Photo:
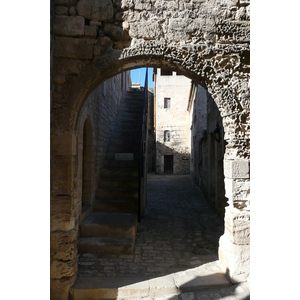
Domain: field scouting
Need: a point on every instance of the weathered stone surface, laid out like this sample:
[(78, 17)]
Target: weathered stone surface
[(99, 10), (69, 26), (72, 11), (237, 168), (60, 288), (65, 144), (238, 192), (106, 42), (65, 2), (237, 226), (69, 66), (90, 31), (150, 30), (116, 33), (209, 41), (73, 48), (64, 168), (61, 10), (64, 245), (234, 259), (60, 269)]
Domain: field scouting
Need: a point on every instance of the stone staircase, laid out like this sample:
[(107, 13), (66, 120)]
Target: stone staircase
[(111, 228)]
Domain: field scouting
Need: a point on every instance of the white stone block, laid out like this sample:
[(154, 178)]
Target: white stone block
[(236, 190), (234, 259), (236, 169), (237, 226)]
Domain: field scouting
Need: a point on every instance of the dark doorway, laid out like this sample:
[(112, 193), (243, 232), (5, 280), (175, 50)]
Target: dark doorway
[(168, 164)]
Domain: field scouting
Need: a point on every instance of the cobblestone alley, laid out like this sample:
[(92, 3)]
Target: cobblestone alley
[(179, 231)]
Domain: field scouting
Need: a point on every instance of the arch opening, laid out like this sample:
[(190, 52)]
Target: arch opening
[(194, 108)]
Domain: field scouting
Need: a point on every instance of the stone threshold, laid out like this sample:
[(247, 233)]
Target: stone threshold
[(206, 276)]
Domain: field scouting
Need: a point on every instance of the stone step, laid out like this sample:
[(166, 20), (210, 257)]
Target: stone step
[(129, 118), (119, 173), (105, 246), (128, 110), (105, 288), (106, 224), (86, 210), (123, 133), (115, 205), (117, 183), (122, 139), (117, 193), (128, 124), (131, 107), (132, 97), (123, 148)]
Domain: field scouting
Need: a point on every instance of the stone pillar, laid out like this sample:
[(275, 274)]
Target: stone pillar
[(63, 211), (234, 245)]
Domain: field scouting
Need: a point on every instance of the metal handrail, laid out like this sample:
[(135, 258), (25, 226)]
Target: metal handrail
[(143, 141)]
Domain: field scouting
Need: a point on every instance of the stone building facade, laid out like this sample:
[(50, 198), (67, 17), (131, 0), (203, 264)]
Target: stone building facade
[(92, 41), (172, 122), (151, 165), (207, 146)]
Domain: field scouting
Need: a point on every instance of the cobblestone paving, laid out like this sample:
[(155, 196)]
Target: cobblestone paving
[(179, 231)]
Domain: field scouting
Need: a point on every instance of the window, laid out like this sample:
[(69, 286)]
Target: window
[(167, 102), (167, 136)]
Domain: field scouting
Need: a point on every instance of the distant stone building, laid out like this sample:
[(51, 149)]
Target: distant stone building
[(189, 134), (172, 122)]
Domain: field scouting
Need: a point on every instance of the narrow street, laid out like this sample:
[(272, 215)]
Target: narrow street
[(179, 232)]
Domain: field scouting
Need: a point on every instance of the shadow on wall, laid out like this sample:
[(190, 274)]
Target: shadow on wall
[(208, 148), (170, 161)]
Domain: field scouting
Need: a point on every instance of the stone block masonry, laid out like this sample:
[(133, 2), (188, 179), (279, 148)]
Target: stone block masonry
[(174, 118), (100, 109), (93, 41)]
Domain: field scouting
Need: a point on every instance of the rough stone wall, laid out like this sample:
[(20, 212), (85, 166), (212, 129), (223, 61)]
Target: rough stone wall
[(208, 41), (198, 125), (207, 154), (174, 119), (101, 108), (102, 105), (215, 177)]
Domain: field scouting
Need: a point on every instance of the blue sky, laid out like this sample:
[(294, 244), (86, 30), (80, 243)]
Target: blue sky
[(138, 75)]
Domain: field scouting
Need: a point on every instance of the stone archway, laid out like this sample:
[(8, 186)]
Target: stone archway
[(207, 41)]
